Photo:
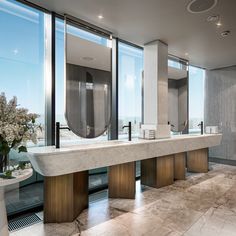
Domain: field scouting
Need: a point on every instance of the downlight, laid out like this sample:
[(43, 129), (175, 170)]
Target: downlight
[(200, 6), (87, 58), (213, 18), (225, 33)]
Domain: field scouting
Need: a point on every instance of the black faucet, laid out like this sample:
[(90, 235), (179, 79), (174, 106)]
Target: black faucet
[(58, 133), (201, 125), (128, 126)]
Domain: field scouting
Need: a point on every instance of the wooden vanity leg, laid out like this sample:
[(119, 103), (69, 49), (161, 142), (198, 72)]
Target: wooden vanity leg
[(197, 161), (65, 197), (121, 180), (158, 172), (179, 166)]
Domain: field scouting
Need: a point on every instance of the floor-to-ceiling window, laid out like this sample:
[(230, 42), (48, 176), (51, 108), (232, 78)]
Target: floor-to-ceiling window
[(196, 98), (22, 67), (130, 68)]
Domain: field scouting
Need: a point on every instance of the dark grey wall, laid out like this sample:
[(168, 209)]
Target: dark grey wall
[(173, 104), (220, 109)]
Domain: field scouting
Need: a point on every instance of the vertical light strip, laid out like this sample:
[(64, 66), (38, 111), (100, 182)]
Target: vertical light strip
[(204, 94), (48, 75), (65, 61), (113, 132)]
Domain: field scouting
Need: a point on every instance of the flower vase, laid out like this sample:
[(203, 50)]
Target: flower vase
[(4, 163)]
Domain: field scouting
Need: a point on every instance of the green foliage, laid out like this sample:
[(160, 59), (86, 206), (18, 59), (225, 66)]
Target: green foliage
[(22, 149), (21, 166), (8, 173), (17, 126)]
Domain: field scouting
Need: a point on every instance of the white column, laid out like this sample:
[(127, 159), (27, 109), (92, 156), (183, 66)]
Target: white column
[(3, 215), (156, 87), (156, 83)]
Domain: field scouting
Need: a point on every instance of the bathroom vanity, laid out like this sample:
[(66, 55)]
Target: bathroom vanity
[(162, 161)]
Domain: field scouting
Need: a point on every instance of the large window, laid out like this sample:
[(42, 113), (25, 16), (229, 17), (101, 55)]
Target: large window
[(22, 66), (196, 98), (130, 66)]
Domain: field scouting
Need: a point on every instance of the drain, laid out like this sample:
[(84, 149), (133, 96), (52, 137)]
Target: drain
[(23, 222)]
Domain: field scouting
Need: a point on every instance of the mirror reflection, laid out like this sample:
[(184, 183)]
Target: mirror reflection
[(88, 83), (178, 99)]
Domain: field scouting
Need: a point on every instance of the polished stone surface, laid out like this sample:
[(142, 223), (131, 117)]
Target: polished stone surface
[(204, 204), (49, 161)]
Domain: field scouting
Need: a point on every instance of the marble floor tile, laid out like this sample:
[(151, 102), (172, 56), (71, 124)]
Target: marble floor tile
[(132, 224), (219, 221), (172, 212), (201, 205)]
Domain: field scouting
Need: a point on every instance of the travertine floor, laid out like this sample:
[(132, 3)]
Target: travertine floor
[(204, 204)]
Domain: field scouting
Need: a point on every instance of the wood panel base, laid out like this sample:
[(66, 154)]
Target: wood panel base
[(158, 172), (65, 197), (121, 180), (197, 161), (179, 166)]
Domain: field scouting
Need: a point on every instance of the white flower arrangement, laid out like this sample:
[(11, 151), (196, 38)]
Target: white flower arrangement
[(17, 126)]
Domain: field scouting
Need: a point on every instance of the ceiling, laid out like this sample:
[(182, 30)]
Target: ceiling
[(141, 21), (86, 53), (175, 73)]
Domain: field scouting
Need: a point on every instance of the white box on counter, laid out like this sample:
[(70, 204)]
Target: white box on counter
[(212, 130), (151, 131)]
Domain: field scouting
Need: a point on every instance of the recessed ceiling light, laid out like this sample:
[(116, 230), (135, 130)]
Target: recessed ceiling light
[(225, 33), (88, 58), (219, 24), (213, 18), (100, 17), (186, 54)]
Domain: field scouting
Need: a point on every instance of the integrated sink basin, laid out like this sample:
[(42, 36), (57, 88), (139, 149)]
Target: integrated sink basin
[(49, 161), (96, 144)]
